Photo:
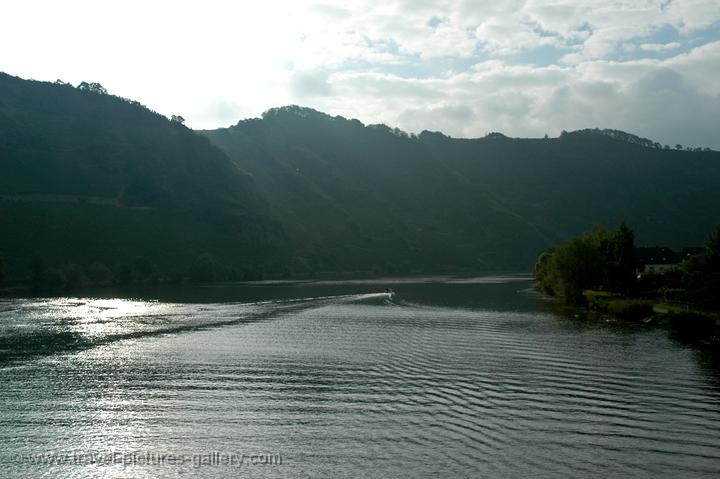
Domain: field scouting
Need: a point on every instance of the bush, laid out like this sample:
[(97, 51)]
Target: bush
[(630, 309), (74, 275), (100, 275), (124, 274), (52, 279), (597, 300), (598, 260), (204, 270)]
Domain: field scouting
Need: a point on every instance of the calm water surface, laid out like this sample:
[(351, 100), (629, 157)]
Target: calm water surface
[(448, 378)]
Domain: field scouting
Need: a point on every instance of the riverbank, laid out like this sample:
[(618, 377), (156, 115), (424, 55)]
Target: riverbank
[(680, 319), (28, 289), (599, 270)]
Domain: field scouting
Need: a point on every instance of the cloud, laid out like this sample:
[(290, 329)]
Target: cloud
[(448, 118), (662, 100), (524, 67), (699, 67), (333, 12), (504, 36), (591, 86), (659, 47), (310, 84), (220, 110)]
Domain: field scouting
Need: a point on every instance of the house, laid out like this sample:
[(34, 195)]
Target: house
[(687, 253), (656, 259)]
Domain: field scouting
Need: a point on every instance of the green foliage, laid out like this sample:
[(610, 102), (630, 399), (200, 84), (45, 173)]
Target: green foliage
[(204, 270), (630, 309), (74, 276), (627, 309), (702, 274), (145, 271), (712, 249), (99, 274), (143, 268), (577, 267), (356, 197), (603, 261), (696, 281), (621, 136), (622, 256), (37, 267), (86, 176), (597, 300), (124, 274), (545, 272), (598, 260), (92, 87), (668, 279), (51, 279), (2, 271)]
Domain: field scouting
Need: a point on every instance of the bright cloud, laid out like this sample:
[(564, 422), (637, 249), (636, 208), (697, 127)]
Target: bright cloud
[(523, 67)]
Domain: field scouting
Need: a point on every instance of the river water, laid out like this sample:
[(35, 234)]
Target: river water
[(472, 377)]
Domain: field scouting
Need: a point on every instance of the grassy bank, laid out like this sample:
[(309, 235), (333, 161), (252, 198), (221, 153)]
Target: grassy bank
[(681, 320), (598, 270)]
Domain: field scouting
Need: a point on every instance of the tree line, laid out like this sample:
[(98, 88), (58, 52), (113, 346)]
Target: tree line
[(597, 260), (141, 271), (603, 261)]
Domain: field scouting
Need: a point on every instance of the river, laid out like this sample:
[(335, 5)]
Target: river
[(473, 377)]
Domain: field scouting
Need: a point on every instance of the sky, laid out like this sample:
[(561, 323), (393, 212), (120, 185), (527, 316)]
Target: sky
[(521, 67)]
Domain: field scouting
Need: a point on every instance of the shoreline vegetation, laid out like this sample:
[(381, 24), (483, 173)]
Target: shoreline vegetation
[(73, 277), (91, 182), (598, 270), (77, 279)]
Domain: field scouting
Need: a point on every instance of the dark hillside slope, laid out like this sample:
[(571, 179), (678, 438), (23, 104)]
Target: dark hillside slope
[(86, 176), (354, 195), (89, 177)]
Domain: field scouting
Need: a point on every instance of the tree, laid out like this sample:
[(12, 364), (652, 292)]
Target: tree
[(52, 279), (577, 265), (204, 270), (623, 262), (599, 259), (100, 275), (177, 119), (74, 275), (37, 266), (712, 248), (545, 273), (143, 268), (124, 274), (703, 274), (93, 87)]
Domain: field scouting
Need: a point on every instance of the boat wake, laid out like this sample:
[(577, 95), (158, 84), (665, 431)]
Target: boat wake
[(40, 327)]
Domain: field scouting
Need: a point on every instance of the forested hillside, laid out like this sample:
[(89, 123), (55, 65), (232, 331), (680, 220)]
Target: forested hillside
[(87, 177), (90, 177), (355, 195)]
